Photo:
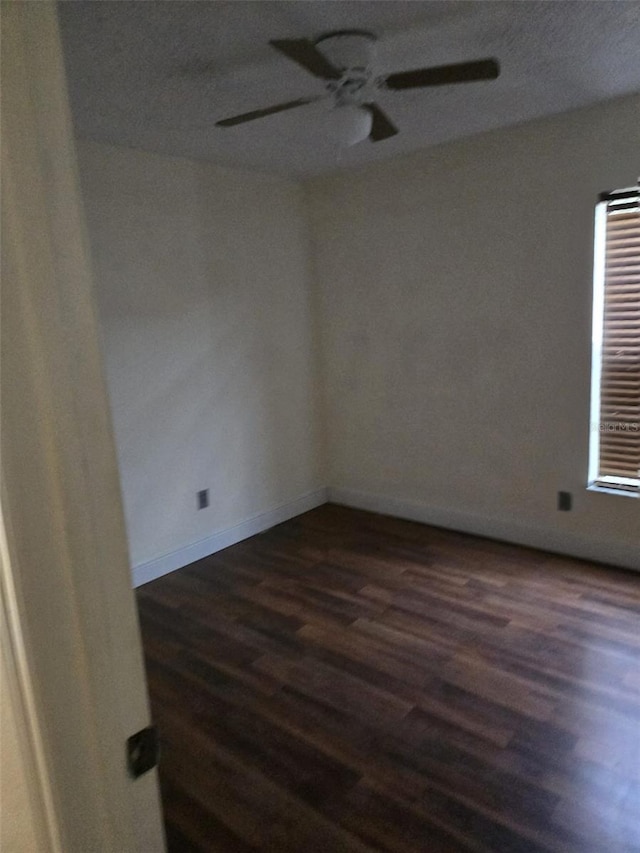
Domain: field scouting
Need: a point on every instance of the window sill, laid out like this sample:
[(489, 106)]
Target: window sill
[(611, 490)]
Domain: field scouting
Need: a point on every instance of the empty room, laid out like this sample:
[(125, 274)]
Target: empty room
[(361, 487)]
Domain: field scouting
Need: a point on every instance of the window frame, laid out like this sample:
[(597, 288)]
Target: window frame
[(612, 484)]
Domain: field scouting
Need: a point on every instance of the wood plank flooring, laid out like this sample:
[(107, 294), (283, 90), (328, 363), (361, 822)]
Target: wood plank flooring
[(352, 682)]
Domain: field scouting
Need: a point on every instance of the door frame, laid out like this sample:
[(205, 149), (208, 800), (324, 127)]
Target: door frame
[(76, 679)]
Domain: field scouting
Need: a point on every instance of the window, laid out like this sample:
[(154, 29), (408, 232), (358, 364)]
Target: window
[(615, 391)]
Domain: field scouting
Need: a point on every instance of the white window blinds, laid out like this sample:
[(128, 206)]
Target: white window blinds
[(615, 456)]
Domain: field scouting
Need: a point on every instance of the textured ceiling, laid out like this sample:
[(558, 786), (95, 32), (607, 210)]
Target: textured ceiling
[(157, 75)]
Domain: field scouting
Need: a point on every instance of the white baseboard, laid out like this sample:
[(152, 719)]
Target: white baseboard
[(556, 541), (145, 572)]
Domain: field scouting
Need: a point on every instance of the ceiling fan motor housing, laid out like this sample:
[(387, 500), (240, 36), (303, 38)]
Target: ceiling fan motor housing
[(351, 52), (348, 50)]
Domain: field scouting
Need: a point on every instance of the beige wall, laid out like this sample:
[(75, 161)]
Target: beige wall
[(451, 295), (202, 282), (455, 292)]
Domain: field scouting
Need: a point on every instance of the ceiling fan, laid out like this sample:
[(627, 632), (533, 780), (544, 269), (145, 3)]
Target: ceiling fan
[(343, 60)]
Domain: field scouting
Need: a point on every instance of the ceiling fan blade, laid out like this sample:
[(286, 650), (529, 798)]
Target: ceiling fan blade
[(267, 111), (306, 54), (382, 127), (442, 75)]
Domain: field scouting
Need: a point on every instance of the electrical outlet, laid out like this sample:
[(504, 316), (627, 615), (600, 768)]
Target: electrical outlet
[(203, 499), (564, 501)]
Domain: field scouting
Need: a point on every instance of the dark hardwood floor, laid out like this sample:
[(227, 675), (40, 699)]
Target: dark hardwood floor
[(352, 682)]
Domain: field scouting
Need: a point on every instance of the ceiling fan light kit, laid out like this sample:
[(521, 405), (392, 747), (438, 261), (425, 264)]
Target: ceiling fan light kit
[(344, 61), (349, 124)]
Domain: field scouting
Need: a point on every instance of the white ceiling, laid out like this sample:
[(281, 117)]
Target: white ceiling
[(157, 75)]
